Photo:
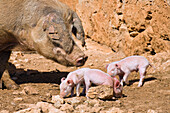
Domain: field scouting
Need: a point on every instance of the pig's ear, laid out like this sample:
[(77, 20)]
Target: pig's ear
[(118, 85), (117, 65), (58, 50), (70, 82), (107, 65), (62, 79)]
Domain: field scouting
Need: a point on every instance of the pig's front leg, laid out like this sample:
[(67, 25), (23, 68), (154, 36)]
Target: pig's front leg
[(84, 89), (72, 91), (125, 78), (78, 89), (121, 79), (87, 84), (142, 72)]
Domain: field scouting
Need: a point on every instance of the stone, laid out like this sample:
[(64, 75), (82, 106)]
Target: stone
[(4, 111), (19, 92), (30, 90), (112, 110), (29, 110), (18, 99), (83, 108), (67, 107), (75, 100), (47, 107), (151, 111), (57, 99), (93, 102), (101, 92), (143, 23), (134, 33)]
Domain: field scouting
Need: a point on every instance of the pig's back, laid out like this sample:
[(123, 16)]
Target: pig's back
[(134, 61), (99, 77)]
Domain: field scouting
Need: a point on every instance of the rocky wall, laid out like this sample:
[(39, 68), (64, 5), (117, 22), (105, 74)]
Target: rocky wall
[(132, 27)]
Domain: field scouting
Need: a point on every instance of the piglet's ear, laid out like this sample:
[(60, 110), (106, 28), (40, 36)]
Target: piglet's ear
[(70, 82), (62, 79), (117, 65), (107, 65)]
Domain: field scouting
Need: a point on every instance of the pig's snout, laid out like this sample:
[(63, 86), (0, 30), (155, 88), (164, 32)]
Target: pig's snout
[(81, 61)]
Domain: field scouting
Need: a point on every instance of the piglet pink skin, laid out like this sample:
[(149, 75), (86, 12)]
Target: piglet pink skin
[(88, 76), (127, 65), (99, 77), (75, 78)]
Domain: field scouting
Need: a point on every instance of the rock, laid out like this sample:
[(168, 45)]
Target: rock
[(134, 33), (47, 107), (75, 100), (143, 23), (160, 61), (4, 111), (93, 102), (67, 107), (30, 90), (83, 108), (151, 111), (101, 92), (58, 102), (18, 99), (57, 98), (112, 110), (19, 92), (30, 110)]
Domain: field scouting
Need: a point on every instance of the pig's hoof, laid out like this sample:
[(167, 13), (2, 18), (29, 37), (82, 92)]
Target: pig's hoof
[(140, 85), (127, 83)]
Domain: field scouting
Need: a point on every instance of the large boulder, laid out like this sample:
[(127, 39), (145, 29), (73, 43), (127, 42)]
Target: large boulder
[(100, 92)]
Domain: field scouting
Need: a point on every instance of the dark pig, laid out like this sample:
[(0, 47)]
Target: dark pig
[(45, 26)]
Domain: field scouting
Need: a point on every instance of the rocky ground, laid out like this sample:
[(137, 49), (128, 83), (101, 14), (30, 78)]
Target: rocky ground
[(39, 81)]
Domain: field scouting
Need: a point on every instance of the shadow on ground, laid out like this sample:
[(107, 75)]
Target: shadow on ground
[(34, 76), (131, 82)]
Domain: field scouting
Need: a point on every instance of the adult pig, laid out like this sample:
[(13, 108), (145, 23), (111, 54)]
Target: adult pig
[(88, 76), (45, 26), (125, 66)]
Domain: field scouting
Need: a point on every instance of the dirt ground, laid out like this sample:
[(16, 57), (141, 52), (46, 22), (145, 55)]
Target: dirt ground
[(44, 75)]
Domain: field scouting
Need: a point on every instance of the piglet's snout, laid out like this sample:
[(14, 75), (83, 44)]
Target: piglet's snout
[(62, 94)]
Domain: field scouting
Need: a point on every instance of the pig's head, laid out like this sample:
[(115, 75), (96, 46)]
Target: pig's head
[(52, 38), (66, 87), (113, 69), (117, 88)]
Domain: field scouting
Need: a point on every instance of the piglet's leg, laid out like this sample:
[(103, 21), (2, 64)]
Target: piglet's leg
[(72, 91), (78, 89), (84, 89), (121, 79), (142, 72), (125, 78), (87, 84)]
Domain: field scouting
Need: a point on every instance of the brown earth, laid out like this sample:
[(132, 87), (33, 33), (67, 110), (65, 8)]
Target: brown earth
[(39, 79), (121, 28)]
